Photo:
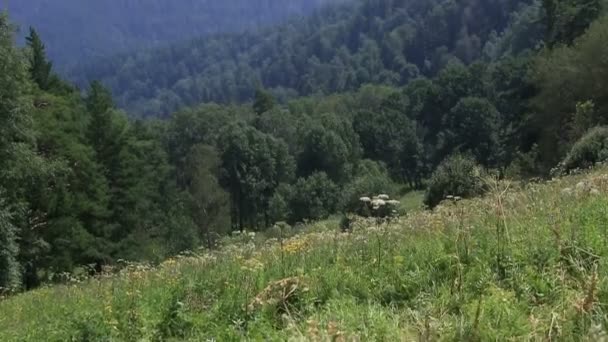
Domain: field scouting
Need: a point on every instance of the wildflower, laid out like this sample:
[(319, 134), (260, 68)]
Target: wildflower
[(377, 203), (399, 260), (295, 246), (384, 197), (581, 186), (252, 265), (365, 199)]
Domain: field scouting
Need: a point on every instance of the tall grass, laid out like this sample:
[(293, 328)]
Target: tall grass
[(527, 262)]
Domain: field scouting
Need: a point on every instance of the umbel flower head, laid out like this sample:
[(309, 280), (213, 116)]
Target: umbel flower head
[(381, 205)]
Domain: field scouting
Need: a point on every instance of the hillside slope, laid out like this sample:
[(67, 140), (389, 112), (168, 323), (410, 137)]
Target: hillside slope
[(524, 263), (78, 30), (336, 49)]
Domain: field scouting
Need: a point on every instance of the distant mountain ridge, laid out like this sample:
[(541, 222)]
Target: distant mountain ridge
[(77, 30)]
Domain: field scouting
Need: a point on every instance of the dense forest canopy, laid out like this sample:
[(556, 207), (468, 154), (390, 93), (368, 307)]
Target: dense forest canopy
[(338, 48), (83, 183), (77, 30)]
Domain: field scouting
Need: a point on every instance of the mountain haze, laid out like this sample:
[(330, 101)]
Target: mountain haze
[(337, 48), (76, 30)]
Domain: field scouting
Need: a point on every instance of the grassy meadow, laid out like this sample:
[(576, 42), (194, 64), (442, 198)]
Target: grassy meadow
[(524, 263)]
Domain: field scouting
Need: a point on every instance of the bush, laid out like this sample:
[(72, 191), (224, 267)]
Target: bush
[(590, 149), (371, 179), (458, 175)]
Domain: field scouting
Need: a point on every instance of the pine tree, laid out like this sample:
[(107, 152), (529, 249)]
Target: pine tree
[(39, 66), (99, 104)]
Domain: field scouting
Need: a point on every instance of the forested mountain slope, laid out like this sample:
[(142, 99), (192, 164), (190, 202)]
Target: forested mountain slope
[(337, 49), (77, 30), (82, 186)]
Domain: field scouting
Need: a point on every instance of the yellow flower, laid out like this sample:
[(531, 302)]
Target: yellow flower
[(295, 246), (398, 259), (252, 265)]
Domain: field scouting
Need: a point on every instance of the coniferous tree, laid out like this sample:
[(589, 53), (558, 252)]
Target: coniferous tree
[(39, 66)]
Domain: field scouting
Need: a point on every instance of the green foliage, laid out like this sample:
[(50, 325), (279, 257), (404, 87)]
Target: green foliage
[(370, 179), (19, 166), (565, 20), (390, 136), (472, 126), (253, 165), (210, 203), (9, 250), (566, 77), (592, 148), (263, 102), (457, 175), (329, 145), (314, 197)]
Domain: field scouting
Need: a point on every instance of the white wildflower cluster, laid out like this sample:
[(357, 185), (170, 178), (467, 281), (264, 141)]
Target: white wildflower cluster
[(453, 198), (581, 188), (381, 205)]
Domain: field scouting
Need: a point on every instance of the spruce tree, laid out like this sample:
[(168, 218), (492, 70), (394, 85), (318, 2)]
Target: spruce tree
[(39, 66)]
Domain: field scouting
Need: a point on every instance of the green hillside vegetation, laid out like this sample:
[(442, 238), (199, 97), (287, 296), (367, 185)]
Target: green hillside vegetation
[(526, 262)]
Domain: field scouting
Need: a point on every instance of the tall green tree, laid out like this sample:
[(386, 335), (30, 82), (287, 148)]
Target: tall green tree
[(210, 203), (22, 170), (253, 166), (472, 126), (390, 136), (39, 66)]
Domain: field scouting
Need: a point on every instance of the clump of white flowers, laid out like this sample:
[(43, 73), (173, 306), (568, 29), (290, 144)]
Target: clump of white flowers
[(381, 206)]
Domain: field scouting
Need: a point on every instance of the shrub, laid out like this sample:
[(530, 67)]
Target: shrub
[(458, 175), (371, 179), (588, 150), (280, 230)]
